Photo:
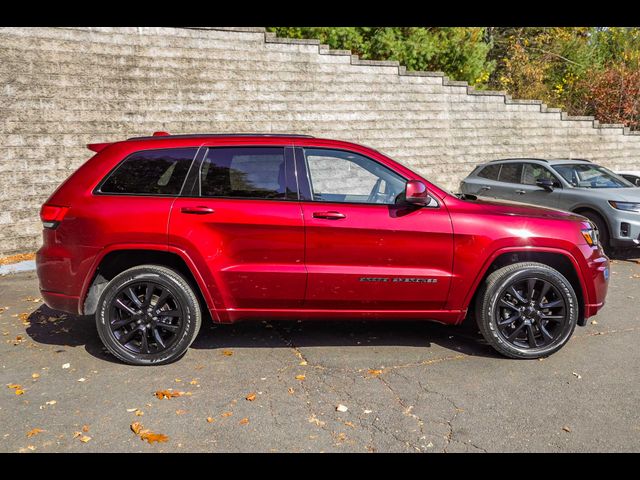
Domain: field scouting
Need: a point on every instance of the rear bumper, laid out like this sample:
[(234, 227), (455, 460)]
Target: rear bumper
[(60, 301), (62, 273)]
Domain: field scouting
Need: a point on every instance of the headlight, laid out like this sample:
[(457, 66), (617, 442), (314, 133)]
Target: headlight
[(626, 206), (591, 235)]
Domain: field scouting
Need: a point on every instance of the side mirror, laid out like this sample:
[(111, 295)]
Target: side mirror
[(416, 193), (545, 183)]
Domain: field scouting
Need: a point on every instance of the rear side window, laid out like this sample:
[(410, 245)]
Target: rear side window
[(151, 172), (250, 172), (490, 172), (511, 172)]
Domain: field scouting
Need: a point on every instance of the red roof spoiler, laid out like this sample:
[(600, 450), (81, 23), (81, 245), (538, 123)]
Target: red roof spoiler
[(97, 147)]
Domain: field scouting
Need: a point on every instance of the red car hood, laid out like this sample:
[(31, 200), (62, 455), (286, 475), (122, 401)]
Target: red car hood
[(504, 207)]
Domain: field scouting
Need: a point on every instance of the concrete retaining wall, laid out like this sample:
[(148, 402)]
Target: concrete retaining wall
[(61, 88)]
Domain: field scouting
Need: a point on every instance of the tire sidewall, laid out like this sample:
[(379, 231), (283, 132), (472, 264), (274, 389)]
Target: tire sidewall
[(186, 335), (494, 294)]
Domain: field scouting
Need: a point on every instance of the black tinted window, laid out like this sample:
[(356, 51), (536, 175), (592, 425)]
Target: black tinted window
[(490, 172), (257, 172), (151, 172), (511, 172)]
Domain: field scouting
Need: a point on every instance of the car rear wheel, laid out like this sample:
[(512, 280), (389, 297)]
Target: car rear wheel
[(527, 310), (148, 315)]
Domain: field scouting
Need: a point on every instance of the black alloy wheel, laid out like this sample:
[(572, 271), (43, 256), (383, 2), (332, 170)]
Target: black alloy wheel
[(145, 317), (148, 315), (531, 313), (527, 310)]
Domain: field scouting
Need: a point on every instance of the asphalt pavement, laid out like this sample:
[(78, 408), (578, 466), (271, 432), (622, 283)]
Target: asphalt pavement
[(321, 386)]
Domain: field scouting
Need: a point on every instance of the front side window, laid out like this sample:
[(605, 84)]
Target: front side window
[(534, 172), (347, 177), (151, 172), (586, 175), (511, 172), (244, 172)]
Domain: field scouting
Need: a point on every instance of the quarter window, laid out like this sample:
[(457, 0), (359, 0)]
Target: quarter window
[(251, 172), (511, 172), (347, 177), (490, 172), (151, 172)]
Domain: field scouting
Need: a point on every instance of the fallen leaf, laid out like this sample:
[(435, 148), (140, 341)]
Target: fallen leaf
[(227, 414), (35, 375), (566, 429), (34, 432), (178, 380), (146, 434), (160, 394), (316, 420), (244, 421), (227, 353), (594, 322), (180, 412), (85, 428), (85, 438), (251, 397), (300, 377), (210, 419), (131, 410), (153, 437), (13, 385), (82, 379), (368, 411), (19, 391), (341, 408), (577, 375), (136, 427), (138, 413), (51, 402), (375, 373), (303, 363), (66, 365), (342, 437), (194, 382), (290, 391)]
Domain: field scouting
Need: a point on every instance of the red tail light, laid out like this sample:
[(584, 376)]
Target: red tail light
[(52, 215)]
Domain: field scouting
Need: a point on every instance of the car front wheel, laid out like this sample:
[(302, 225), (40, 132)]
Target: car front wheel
[(527, 310), (148, 315)]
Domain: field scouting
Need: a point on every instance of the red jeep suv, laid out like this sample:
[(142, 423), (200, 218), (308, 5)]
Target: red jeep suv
[(153, 233)]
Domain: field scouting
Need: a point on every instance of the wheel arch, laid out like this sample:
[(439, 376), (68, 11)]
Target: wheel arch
[(561, 260), (116, 259), (580, 209)]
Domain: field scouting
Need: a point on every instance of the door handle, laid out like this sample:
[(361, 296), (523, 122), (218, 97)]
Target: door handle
[(329, 215), (521, 192), (197, 210), (485, 188)]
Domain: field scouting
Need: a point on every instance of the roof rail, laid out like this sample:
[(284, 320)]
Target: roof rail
[(519, 159), (195, 135)]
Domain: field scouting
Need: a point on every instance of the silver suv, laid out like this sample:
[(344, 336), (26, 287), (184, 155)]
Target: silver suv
[(579, 186)]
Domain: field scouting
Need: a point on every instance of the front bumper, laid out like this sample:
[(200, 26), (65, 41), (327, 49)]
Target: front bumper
[(595, 273), (625, 229)]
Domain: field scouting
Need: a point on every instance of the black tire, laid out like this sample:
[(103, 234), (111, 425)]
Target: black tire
[(603, 230), (158, 333), (499, 312)]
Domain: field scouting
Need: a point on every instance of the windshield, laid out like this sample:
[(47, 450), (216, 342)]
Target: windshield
[(585, 175)]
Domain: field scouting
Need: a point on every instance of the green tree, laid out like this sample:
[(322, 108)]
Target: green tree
[(460, 53)]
